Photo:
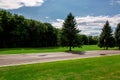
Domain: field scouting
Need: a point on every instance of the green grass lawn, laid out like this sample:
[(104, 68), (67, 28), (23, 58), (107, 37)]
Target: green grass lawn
[(41, 50), (102, 68)]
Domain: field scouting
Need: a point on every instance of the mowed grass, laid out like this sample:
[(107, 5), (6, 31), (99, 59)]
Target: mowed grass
[(43, 50), (102, 68)]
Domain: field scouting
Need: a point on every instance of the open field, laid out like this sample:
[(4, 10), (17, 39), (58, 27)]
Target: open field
[(102, 68), (42, 50)]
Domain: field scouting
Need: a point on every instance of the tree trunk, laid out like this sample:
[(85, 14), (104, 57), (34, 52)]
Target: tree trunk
[(106, 48), (70, 48)]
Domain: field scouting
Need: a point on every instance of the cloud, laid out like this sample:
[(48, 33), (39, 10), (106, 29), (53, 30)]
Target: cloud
[(58, 23), (15, 4), (46, 17), (118, 1), (91, 25), (112, 2)]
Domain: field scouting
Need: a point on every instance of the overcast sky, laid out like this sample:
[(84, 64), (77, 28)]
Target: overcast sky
[(89, 14)]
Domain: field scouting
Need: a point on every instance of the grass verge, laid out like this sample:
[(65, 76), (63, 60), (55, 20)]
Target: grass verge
[(102, 68), (43, 50)]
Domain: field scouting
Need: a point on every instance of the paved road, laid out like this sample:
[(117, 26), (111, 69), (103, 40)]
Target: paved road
[(18, 59)]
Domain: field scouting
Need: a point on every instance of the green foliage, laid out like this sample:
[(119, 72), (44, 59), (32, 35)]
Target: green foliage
[(1, 29), (117, 35), (92, 40), (0, 25), (16, 31), (102, 68), (51, 34), (78, 41), (69, 32), (84, 39), (106, 39), (89, 40)]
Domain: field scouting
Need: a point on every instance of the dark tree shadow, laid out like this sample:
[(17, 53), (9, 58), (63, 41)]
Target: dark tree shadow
[(76, 52)]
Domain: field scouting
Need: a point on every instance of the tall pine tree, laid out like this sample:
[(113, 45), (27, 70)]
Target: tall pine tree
[(70, 32), (106, 39), (117, 35)]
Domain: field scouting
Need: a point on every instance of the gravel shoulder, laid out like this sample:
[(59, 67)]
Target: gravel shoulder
[(19, 59)]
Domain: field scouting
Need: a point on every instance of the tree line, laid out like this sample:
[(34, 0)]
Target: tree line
[(17, 31)]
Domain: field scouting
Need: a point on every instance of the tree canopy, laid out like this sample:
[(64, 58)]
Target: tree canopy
[(117, 35), (69, 32), (106, 37), (17, 31)]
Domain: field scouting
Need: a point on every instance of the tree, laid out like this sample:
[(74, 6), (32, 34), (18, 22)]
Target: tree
[(78, 41), (1, 29), (92, 40), (84, 39), (95, 40), (117, 35), (69, 32), (51, 35), (17, 31), (106, 39), (5, 18)]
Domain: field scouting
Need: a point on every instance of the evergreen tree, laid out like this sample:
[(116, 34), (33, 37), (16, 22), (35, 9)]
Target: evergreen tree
[(69, 32), (117, 35), (106, 39)]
